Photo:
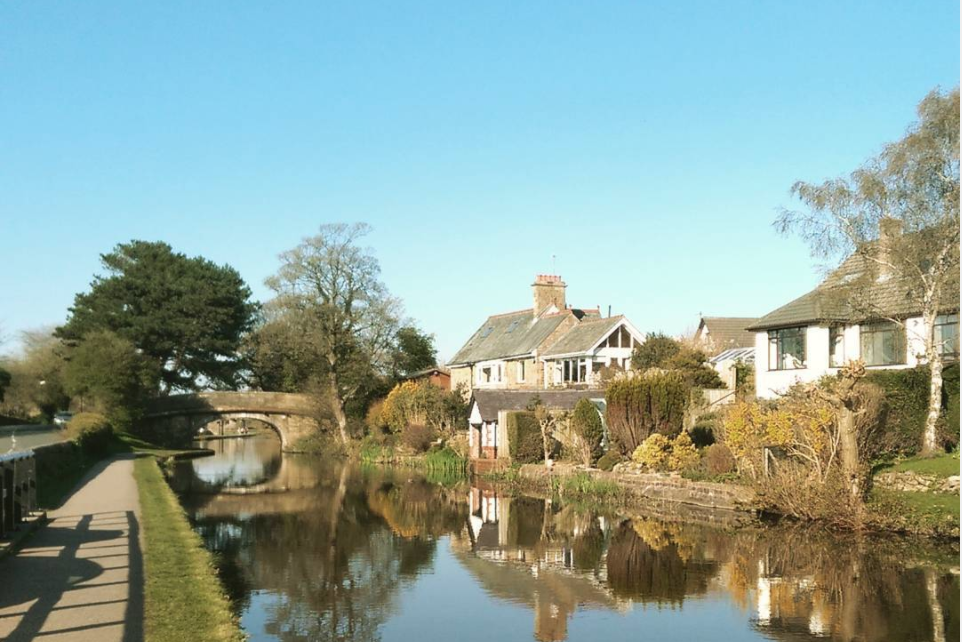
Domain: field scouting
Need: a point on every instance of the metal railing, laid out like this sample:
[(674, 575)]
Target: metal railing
[(18, 489)]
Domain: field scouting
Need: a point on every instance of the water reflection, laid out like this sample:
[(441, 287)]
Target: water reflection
[(236, 462), (369, 554)]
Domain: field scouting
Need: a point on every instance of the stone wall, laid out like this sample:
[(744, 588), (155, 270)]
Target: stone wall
[(908, 481), (659, 487)]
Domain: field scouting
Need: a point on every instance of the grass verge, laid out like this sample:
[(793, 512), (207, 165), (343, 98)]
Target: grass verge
[(183, 598), (930, 514)]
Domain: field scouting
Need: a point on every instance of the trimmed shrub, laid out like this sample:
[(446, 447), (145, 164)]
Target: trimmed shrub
[(586, 425), (653, 453), (683, 453), (907, 394), (91, 431), (703, 432), (718, 460), (609, 460), (524, 437), (418, 437), (907, 397), (640, 406)]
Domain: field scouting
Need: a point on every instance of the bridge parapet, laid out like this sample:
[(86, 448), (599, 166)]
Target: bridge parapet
[(174, 420), (224, 402)]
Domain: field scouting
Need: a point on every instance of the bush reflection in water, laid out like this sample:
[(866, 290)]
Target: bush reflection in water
[(329, 560)]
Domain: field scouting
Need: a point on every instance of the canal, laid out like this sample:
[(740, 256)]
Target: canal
[(316, 550)]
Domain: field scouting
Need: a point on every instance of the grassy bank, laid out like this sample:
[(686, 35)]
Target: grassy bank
[(931, 513), (578, 488), (183, 599)]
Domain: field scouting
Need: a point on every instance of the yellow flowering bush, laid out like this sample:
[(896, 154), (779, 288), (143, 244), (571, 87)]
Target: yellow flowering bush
[(653, 452)]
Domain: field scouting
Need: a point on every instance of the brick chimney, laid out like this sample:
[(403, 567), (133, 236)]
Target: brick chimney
[(889, 231), (548, 290)]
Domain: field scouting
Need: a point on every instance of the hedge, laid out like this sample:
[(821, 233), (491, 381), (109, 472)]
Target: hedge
[(91, 431), (640, 406), (907, 396), (524, 437)]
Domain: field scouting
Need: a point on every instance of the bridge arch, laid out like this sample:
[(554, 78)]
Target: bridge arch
[(174, 420)]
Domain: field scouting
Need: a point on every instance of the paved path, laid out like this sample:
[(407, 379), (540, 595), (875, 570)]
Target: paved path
[(80, 577)]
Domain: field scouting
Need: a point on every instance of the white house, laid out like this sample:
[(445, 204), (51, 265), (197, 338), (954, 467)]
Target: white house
[(820, 331)]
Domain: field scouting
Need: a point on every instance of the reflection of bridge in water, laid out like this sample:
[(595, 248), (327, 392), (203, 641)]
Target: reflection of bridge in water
[(251, 476)]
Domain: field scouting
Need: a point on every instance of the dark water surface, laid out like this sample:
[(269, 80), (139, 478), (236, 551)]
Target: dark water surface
[(315, 550)]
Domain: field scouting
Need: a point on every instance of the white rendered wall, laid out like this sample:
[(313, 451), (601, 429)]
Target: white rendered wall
[(771, 383)]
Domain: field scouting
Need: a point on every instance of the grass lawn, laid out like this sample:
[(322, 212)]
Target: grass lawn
[(941, 466), (183, 598)]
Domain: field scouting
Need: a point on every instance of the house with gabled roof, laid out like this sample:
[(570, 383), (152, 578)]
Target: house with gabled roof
[(718, 334), (548, 345), (822, 330), (551, 351)]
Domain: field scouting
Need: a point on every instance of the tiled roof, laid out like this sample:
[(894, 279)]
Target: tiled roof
[(583, 336), (852, 292), (729, 332), (507, 335), (490, 402)]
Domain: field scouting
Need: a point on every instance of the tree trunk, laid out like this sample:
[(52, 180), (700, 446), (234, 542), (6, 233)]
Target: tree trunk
[(930, 437), (848, 451), (545, 443), (337, 407)]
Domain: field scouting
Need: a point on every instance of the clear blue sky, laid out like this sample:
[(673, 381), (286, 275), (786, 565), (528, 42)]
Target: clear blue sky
[(647, 145)]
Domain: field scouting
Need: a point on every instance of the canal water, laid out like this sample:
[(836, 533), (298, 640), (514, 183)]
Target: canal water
[(315, 550)]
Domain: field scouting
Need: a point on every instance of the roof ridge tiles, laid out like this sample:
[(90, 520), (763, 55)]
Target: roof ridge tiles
[(508, 314)]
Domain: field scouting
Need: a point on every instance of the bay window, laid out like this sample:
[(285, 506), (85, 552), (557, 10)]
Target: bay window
[(786, 349)]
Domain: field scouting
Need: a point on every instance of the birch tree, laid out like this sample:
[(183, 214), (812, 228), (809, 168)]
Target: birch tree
[(897, 219)]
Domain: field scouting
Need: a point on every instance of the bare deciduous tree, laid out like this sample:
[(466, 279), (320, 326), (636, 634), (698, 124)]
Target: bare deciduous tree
[(332, 286)]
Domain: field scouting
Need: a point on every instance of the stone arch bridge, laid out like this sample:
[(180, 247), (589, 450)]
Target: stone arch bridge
[(175, 419)]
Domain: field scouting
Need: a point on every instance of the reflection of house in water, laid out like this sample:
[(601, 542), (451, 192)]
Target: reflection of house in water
[(791, 603), (521, 552), (851, 594)]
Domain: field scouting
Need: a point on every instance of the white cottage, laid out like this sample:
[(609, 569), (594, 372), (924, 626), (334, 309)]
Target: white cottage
[(817, 333)]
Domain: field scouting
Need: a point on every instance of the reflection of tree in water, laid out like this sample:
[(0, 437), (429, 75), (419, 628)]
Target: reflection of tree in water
[(334, 571), (650, 563), (417, 508)]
